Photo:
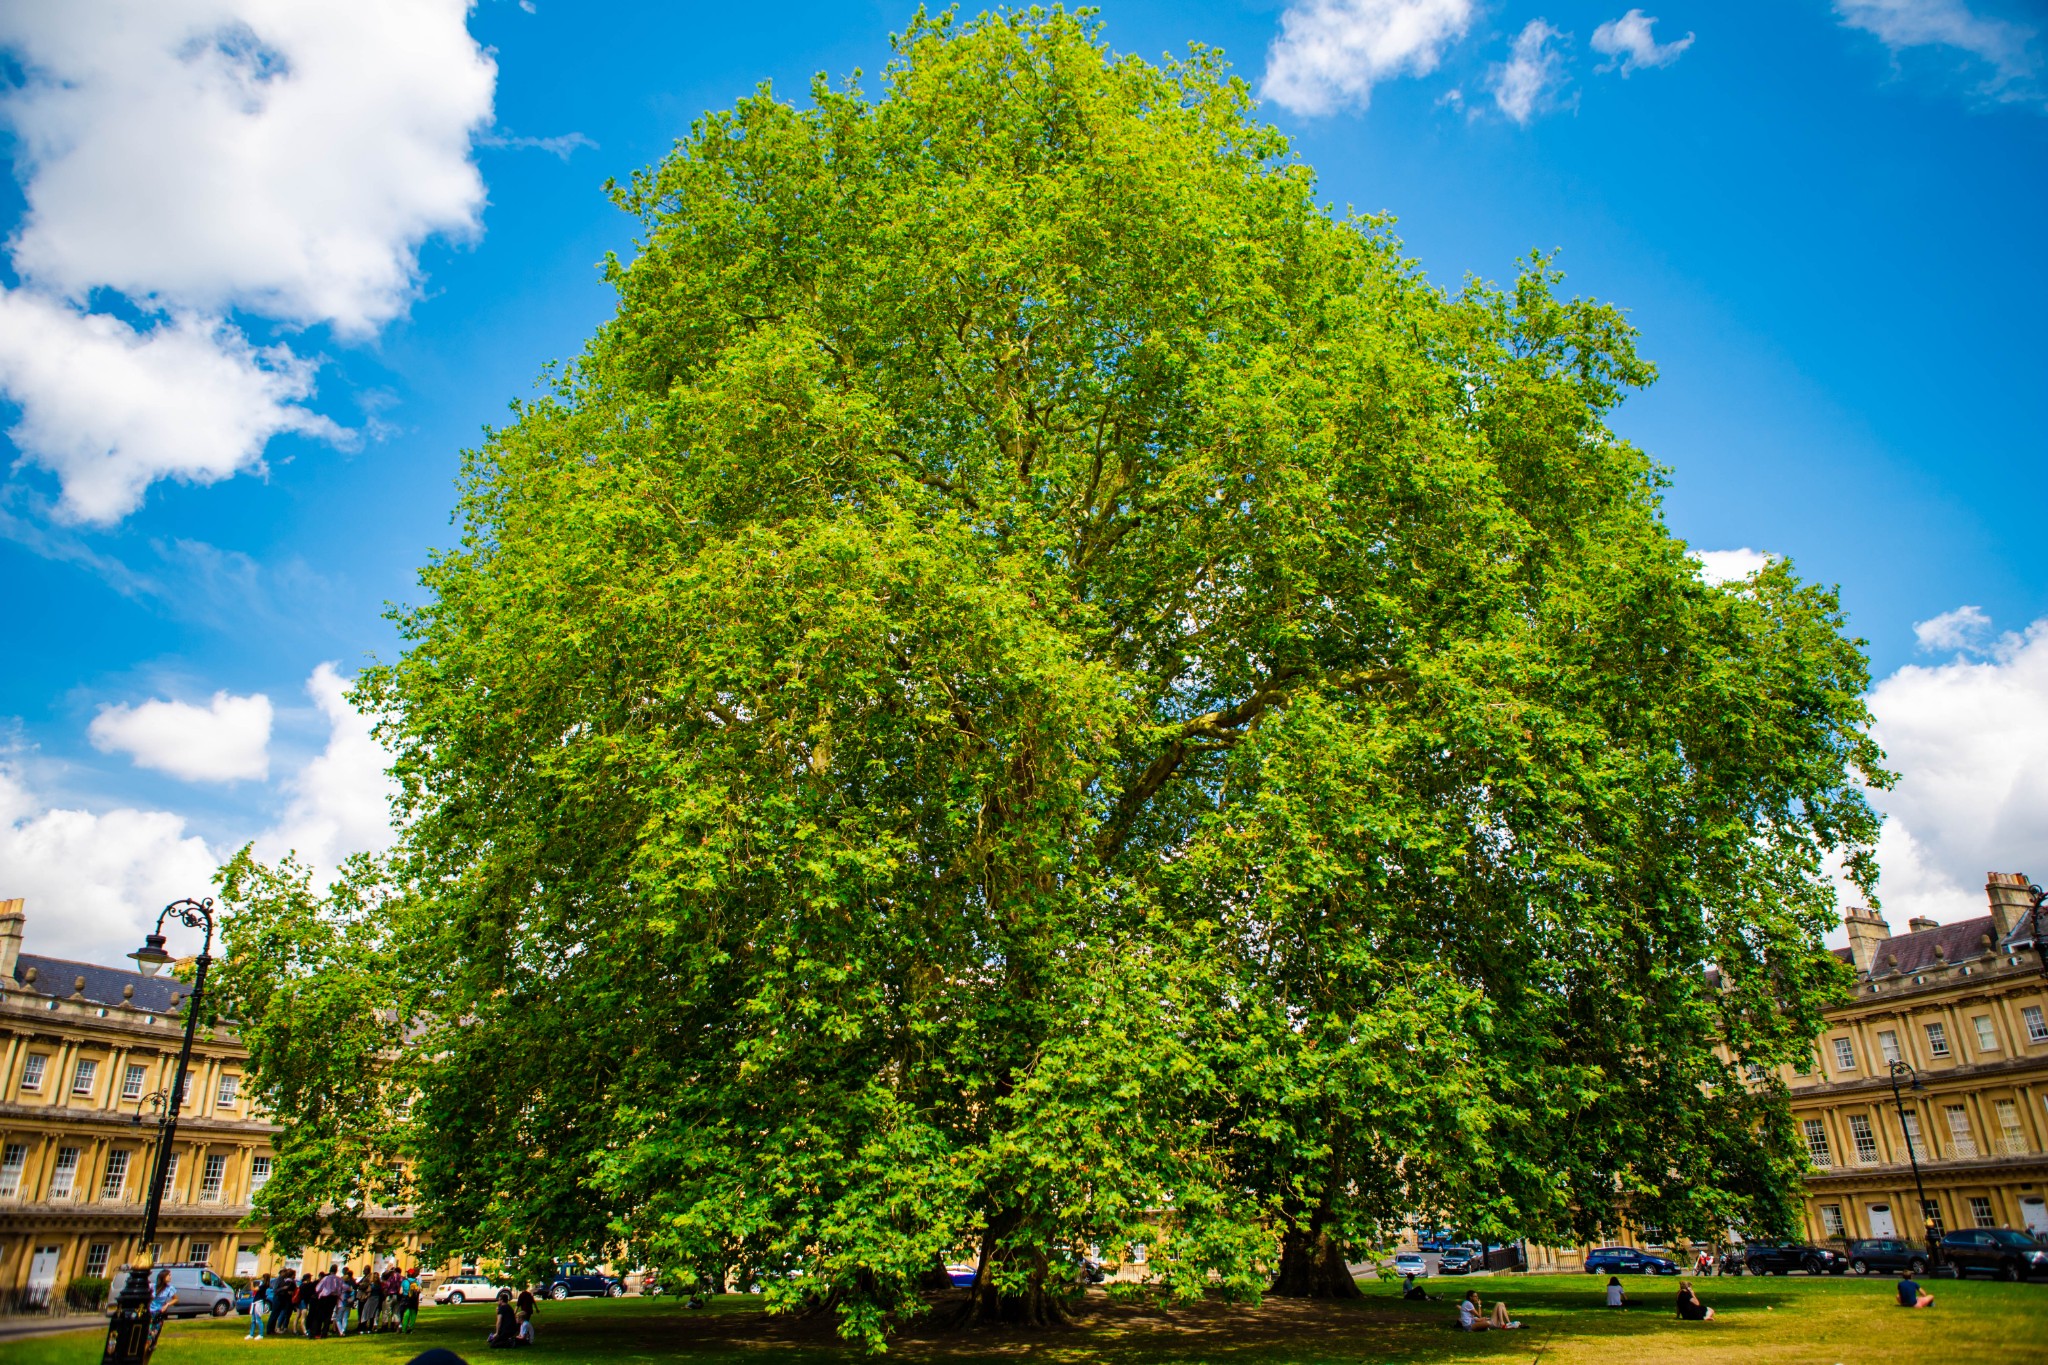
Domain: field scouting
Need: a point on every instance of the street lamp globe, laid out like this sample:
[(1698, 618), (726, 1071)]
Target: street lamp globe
[(151, 957)]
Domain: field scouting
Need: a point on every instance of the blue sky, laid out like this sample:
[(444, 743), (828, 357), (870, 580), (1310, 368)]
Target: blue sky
[(270, 266)]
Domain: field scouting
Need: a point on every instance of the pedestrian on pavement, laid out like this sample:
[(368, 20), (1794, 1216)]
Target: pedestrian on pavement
[(160, 1306)]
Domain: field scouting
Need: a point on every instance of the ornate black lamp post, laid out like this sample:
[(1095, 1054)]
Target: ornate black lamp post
[(1933, 1237), (128, 1339)]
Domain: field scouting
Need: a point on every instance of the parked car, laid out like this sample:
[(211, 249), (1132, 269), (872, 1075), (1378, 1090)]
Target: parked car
[(459, 1289), (1887, 1256), (1434, 1239), (201, 1293), (1782, 1258), (1627, 1261), (2002, 1252), (1456, 1260), (1410, 1263), (577, 1281)]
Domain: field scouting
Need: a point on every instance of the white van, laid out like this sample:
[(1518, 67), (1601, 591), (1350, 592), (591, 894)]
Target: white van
[(200, 1291)]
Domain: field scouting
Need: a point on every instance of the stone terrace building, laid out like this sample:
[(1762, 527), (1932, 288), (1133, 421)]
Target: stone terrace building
[(82, 1048), (1966, 1006)]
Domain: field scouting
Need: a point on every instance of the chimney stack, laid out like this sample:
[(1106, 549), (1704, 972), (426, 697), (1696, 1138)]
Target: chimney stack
[(1921, 923), (13, 920), (2007, 892), (1866, 929)]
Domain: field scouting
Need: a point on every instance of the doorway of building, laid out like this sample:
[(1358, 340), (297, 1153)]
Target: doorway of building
[(2034, 1213), (1881, 1221), (42, 1274)]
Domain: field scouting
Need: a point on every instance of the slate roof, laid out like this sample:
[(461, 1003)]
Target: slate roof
[(1905, 954), (57, 976)]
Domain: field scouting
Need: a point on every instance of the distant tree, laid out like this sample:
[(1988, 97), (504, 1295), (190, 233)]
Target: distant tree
[(1034, 688)]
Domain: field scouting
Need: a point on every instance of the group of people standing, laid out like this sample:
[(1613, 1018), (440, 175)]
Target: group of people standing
[(321, 1306)]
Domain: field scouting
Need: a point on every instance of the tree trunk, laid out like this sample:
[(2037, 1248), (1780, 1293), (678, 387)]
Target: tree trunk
[(1312, 1267), (1042, 1303)]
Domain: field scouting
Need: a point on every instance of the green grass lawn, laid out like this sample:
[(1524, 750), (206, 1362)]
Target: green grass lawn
[(1851, 1321)]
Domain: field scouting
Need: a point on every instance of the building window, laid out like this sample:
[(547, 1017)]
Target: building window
[(230, 1090), (131, 1081), (1831, 1224), (171, 1179), (184, 1087), (1987, 1036), (65, 1178), (1961, 1142), (115, 1182), (1914, 1145), (96, 1257), (2037, 1027), (259, 1173), (1845, 1055), (11, 1163), (1980, 1212), (1888, 1044), (83, 1075), (1817, 1143), (211, 1177), (32, 1070), (1864, 1137), (1931, 1211), (1937, 1040), (202, 1252), (2012, 1139)]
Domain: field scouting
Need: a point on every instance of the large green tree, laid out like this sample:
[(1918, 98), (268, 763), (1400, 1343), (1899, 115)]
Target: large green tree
[(1034, 687)]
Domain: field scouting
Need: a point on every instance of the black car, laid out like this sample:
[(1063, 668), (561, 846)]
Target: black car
[(1782, 1258), (1466, 1258), (1627, 1261), (2001, 1252), (1887, 1256), (581, 1281)]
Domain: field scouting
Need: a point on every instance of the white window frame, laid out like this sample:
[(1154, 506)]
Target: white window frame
[(1831, 1223), (85, 1075), (171, 1178), (1987, 1032), (1888, 1045), (2037, 1024), (133, 1079), (202, 1252), (1916, 1141), (1980, 1212), (1864, 1135), (97, 1254), (259, 1173), (64, 1175), (213, 1177), (2012, 1134), (1937, 1038), (13, 1162), (1845, 1054), (114, 1180), (229, 1092), (32, 1069), (1962, 1139), (1818, 1151)]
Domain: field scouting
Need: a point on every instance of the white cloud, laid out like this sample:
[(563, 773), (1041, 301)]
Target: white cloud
[(1960, 629), (203, 156), (1330, 53), (1630, 43), (111, 409), (1726, 566), (1901, 24), (1524, 84), (227, 739), (1969, 740), (340, 801), (94, 882)]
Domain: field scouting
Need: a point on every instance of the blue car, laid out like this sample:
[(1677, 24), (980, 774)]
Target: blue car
[(1627, 1261)]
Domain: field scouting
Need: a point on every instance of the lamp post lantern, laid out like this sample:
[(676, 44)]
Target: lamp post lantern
[(1933, 1226), (128, 1334)]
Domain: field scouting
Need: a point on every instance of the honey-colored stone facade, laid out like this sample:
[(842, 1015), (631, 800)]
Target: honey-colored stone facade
[(82, 1048)]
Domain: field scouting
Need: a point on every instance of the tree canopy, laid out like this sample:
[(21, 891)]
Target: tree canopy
[(1036, 687)]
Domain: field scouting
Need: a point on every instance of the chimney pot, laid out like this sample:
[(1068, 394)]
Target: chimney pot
[(1921, 923), (2007, 892)]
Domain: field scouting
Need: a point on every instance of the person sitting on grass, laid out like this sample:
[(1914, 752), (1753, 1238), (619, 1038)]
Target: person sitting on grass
[(1912, 1296), (1689, 1306), (506, 1332), (1412, 1291), (1472, 1316), (1617, 1297), (526, 1329)]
